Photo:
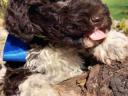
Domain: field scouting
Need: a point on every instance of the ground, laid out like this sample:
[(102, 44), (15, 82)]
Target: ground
[(100, 80)]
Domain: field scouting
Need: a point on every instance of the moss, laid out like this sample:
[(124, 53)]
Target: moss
[(124, 25), (121, 25)]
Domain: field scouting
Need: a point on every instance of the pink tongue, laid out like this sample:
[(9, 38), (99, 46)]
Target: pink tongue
[(97, 35)]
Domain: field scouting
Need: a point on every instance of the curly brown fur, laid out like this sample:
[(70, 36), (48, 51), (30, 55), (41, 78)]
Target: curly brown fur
[(59, 25)]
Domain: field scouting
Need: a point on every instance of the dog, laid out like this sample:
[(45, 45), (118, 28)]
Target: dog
[(69, 31)]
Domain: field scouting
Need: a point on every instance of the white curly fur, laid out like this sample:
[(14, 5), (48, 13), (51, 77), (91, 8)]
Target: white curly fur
[(114, 48), (37, 85), (57, 64)]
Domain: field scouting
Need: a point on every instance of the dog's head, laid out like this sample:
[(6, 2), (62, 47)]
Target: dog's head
[(85, 21), (66, 23)]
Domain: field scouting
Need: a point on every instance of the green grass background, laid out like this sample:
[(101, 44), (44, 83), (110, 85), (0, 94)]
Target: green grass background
[(118, 8)]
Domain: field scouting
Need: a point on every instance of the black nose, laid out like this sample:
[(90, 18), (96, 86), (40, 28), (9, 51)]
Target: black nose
[(96, 19)]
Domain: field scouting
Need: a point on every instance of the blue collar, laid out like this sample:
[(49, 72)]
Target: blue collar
[(14, 50)]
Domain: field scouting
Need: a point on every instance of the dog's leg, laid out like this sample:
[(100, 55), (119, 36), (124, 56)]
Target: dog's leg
[(36, 85), (114, 48)]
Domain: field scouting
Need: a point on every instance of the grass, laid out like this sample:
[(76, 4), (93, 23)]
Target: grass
[(118, 8)]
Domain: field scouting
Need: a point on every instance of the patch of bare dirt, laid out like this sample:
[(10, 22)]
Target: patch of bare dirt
[(100, 80)]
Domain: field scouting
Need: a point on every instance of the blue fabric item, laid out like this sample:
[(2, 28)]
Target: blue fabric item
[(15, 50)]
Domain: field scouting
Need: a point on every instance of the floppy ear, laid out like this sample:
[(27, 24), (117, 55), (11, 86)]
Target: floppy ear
[(17, 20)]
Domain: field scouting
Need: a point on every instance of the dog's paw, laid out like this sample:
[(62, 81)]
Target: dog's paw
[(114, 48)]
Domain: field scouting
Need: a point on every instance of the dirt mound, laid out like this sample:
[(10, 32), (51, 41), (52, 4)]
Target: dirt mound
[(100, 80)]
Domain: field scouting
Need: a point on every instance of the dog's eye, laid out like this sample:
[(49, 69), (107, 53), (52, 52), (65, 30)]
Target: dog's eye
[(96, 19)]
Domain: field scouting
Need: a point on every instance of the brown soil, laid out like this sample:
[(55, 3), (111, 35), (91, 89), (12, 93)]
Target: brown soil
[(100, 80)]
